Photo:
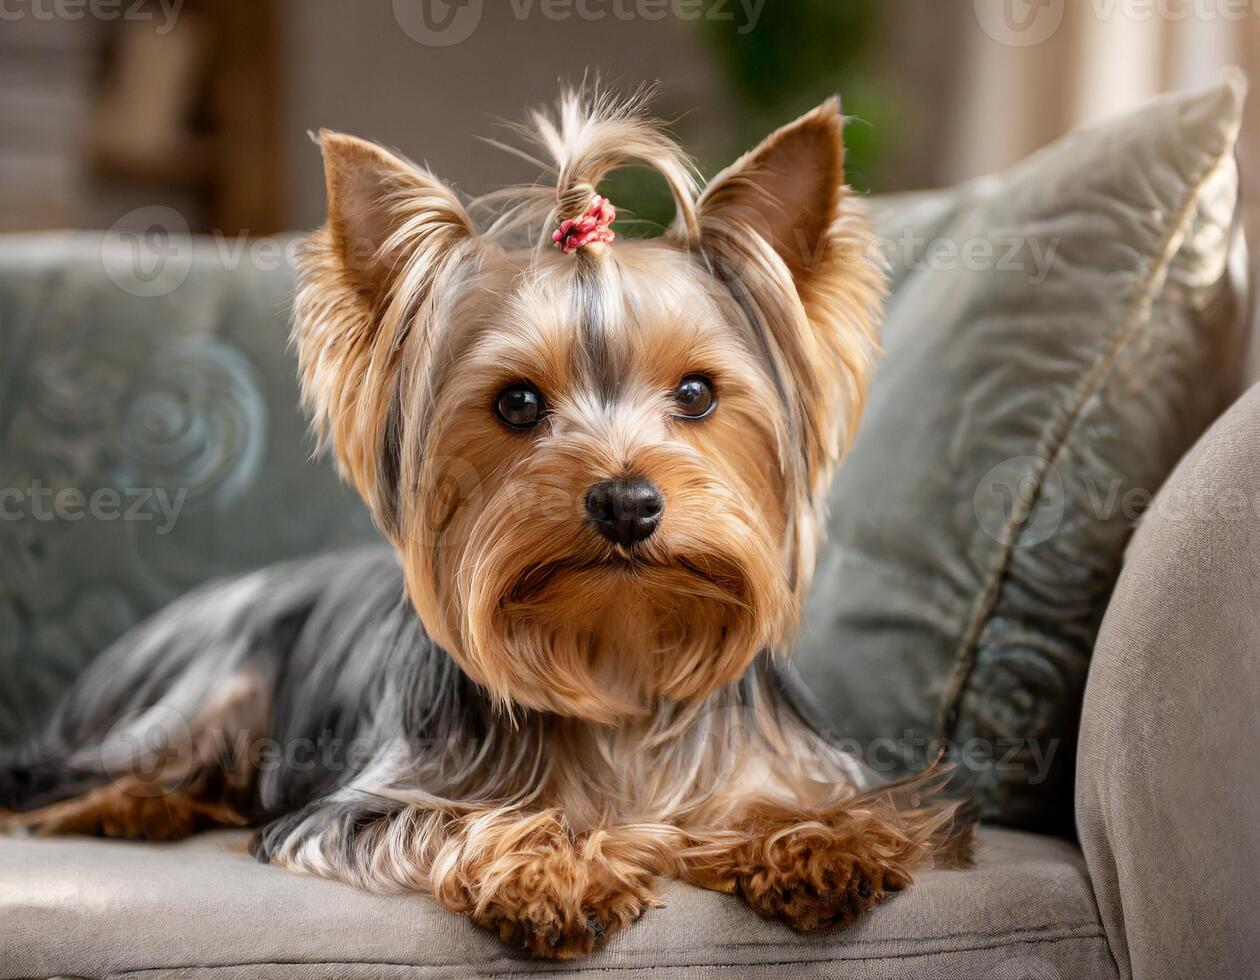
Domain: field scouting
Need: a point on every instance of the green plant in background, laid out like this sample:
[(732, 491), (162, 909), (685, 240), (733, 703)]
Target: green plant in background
[(644, 206), (796, 54)]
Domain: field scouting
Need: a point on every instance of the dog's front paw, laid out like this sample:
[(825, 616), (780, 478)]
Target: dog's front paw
[(813, 876), (541, 887), (550, 920)]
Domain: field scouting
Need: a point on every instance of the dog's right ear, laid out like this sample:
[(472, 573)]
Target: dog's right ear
[(385, 214), (369, 283)]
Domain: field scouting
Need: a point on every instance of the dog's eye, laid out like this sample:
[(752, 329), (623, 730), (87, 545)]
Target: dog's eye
[(695, 397), (519, 405)]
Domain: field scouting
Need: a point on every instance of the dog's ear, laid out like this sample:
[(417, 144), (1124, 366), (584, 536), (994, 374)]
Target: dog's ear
[(788, 191), (382, 210), (369, 285), (790, 242)]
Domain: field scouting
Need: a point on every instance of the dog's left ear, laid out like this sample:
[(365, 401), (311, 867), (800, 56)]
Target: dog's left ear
[(788, 239), (788, 191), (787, 200)]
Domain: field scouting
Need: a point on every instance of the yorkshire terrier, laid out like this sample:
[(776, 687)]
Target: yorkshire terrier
[(602, 468)]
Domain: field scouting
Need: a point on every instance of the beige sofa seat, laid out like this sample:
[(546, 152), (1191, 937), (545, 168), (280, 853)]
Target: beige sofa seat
[(203, 908)]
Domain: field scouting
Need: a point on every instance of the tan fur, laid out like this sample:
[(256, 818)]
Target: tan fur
[(768, 285), (759, 807), (132, 812), (499, 565)]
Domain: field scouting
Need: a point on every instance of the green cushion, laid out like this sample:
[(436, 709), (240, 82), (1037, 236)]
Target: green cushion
[(1057, 336), (150, 438)]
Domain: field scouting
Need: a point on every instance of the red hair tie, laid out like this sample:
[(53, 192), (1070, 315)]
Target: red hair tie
[(591, 227)]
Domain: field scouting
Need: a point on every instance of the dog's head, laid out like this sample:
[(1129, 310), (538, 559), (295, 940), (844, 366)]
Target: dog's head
[(605, 470)]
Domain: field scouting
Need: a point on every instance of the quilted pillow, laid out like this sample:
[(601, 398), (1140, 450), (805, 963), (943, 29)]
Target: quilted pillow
[(1057, 337)]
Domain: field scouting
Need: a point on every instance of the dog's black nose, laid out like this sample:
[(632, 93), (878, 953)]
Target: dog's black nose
[(625, 511)]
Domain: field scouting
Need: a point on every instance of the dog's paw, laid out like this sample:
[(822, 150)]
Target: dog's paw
[(541, 888), (549, 924), (812, 880)]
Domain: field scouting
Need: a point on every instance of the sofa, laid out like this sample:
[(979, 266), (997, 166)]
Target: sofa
[(150, 440)]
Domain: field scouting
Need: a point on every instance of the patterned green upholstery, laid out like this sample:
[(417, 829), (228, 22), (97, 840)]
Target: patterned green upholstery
[(1058, 335), (147, 443)]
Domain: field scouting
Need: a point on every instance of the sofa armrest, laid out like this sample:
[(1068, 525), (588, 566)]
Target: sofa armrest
[(1168, 782)]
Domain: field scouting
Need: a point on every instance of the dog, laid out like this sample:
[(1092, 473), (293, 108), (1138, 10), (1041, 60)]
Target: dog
[(601, 465)]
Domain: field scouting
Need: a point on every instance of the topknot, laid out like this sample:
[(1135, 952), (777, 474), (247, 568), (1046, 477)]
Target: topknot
[(588, 134)]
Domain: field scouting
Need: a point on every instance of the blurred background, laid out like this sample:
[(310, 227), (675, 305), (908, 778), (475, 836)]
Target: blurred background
[(204, 106)]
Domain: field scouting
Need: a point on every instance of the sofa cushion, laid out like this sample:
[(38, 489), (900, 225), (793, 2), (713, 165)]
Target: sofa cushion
[(150, 439), (1056, 338), (1168, 792), (202, 908)]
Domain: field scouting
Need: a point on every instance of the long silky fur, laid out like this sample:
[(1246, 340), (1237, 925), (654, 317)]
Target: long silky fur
[(503, 709)]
